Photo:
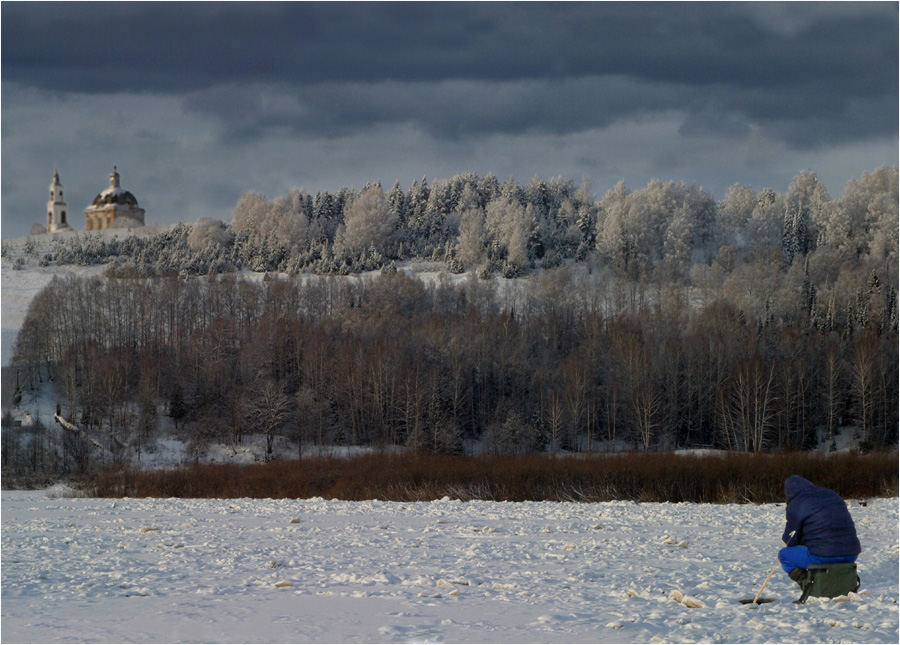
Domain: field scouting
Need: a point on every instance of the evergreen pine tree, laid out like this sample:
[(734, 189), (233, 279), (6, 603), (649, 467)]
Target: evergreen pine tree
[(397, 204)]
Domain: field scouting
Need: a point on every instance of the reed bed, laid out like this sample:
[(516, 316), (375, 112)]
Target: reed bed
[(655, 477)]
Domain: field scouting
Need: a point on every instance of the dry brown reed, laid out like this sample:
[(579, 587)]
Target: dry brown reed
[(654, 477)]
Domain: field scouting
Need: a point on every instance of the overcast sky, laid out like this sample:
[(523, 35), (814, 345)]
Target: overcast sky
[(198, 103)]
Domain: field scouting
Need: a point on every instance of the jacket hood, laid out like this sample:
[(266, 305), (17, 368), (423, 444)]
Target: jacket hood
[(795, 484)]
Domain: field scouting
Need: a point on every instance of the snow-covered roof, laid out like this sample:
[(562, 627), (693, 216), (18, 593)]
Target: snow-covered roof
[(115, 195)]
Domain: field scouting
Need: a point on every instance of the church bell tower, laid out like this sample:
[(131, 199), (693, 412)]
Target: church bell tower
[(56, 208)]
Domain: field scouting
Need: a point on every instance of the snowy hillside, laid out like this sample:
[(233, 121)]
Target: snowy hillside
[(18, 286), (154, 570)]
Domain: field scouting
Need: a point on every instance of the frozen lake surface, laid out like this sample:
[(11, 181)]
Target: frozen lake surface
[(242, 570)]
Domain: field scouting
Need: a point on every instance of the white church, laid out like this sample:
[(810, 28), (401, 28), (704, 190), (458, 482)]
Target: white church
[(114, 207), (56, 208)]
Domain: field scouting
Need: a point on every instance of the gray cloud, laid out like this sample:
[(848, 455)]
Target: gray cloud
[(811, 73), (446, 109), (452, 109), (182, 46), (198, 102)]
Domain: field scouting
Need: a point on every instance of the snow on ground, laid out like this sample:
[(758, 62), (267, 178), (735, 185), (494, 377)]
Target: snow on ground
[(242, 570), (18, 289)]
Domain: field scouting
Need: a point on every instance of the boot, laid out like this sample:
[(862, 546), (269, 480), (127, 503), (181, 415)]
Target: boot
[(801, 577), (798, 575)]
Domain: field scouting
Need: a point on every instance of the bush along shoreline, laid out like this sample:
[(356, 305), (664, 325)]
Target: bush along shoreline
[(657, 477)]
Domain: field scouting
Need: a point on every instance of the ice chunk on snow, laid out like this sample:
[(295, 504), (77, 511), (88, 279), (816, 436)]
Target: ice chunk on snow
[(687, 601)]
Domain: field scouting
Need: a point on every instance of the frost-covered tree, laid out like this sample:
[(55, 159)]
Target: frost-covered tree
[(290, 218), (883, 210), (654, 208), (471, 246), (734, 213), (468, 198), (634, 226), (766, 223), (564, 231), (586, 213), (252, 215), (677, 245), (537, 193), (488, 188), (416, 203), (864, 219), (699, 208), (611, 225), (509, 228), (440, 204), (327, 211), (397, 203), (805, 211), (368, 223), (209, 233), (511, 191)]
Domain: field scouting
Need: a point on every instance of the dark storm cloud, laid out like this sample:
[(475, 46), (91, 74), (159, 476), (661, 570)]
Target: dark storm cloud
[(175, 46), (447, 109), (470, 68)]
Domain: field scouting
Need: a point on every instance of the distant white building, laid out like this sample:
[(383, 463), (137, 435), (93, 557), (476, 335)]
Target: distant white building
[(56, 208), (115, 207)]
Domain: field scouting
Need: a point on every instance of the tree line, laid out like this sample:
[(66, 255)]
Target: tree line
[(666, 230), (571, 360)]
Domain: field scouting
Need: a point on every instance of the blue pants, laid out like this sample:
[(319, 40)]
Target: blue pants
[(792, 557)]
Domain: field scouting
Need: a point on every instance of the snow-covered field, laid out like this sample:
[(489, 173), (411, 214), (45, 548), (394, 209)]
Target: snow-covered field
[(242, 570), (92, 570)]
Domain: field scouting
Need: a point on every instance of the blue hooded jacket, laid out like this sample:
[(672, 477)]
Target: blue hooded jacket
[(820, 518)]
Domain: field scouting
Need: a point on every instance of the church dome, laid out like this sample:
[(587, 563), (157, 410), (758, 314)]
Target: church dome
[(115, 207), (115, 194), (111, 196)]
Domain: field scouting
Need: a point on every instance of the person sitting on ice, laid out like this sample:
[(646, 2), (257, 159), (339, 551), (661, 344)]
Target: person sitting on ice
[(820, 538)]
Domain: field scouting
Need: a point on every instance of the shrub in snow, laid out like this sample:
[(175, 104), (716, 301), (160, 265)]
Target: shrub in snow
[(209, 233)]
